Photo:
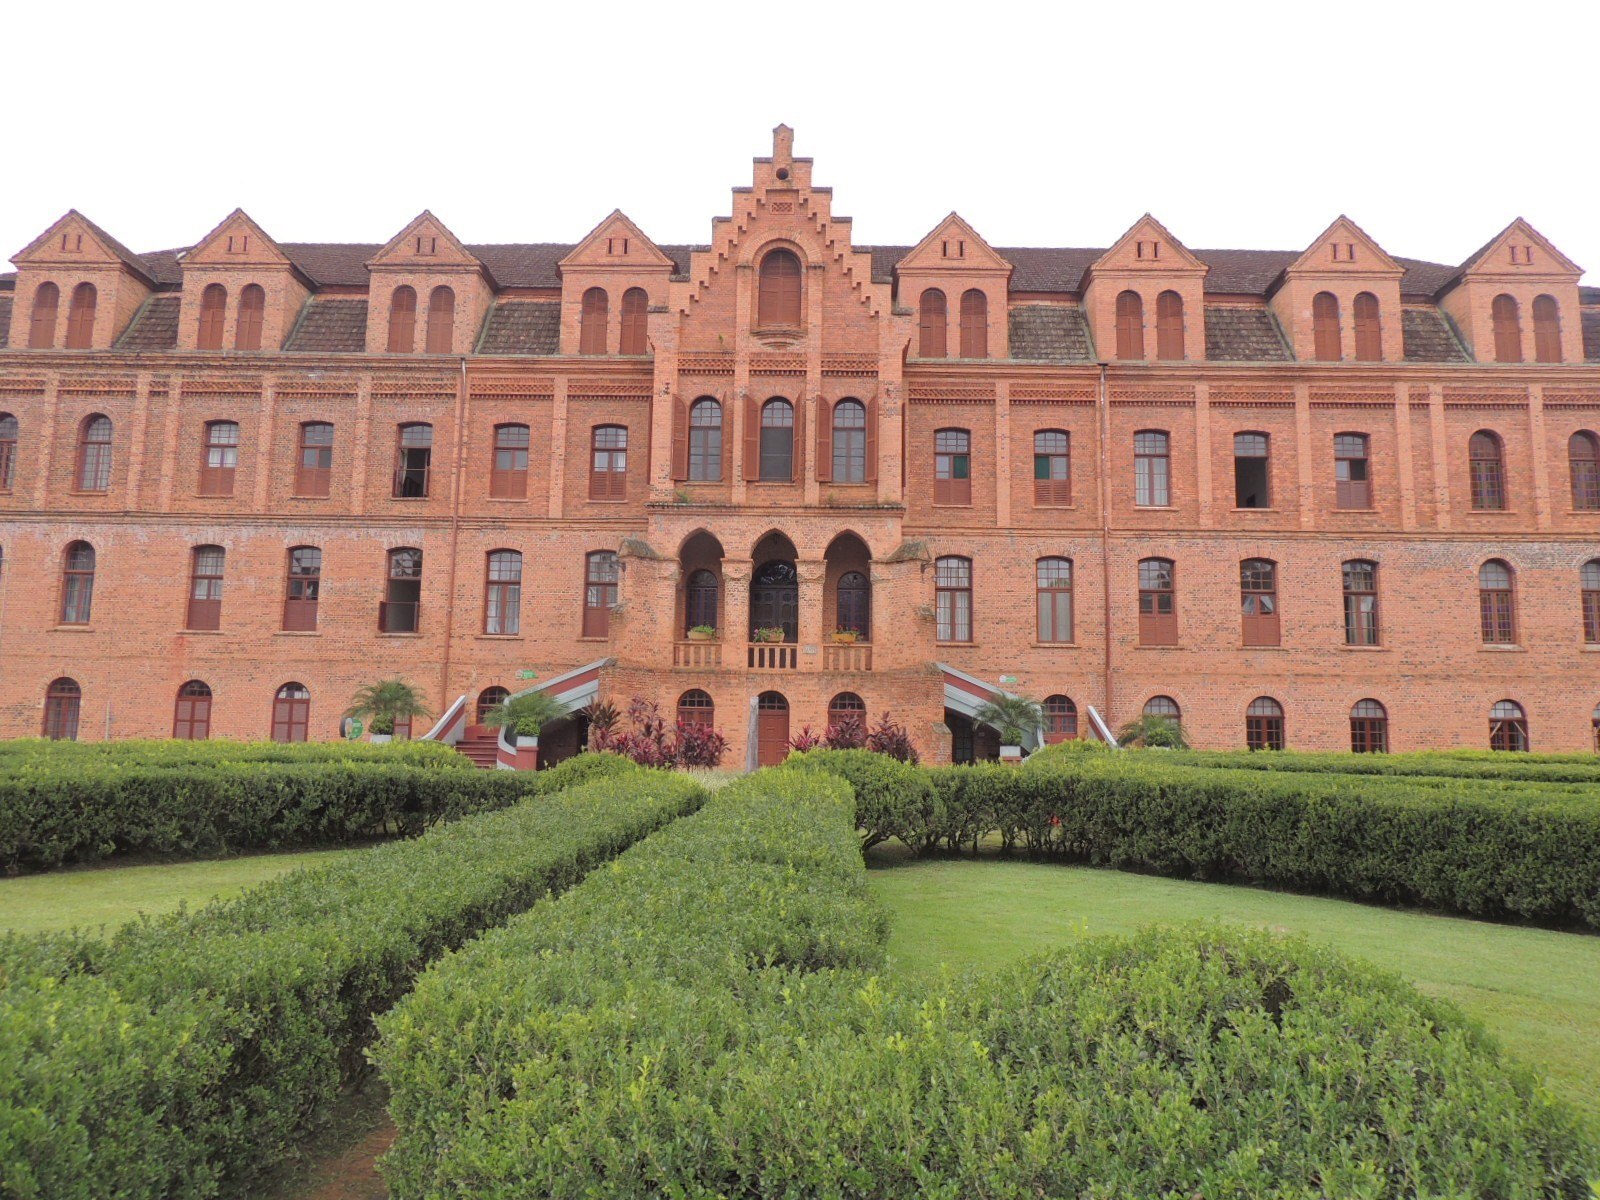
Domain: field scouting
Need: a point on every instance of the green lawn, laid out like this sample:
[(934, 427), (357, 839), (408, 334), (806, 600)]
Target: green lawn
[(1537, 990), (111, 895)]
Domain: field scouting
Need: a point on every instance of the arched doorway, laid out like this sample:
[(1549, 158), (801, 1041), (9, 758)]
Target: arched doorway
[(291, 713), (775, 588), (700, 562), (191, 716), (772, 729), (61, 705), (848, 594)]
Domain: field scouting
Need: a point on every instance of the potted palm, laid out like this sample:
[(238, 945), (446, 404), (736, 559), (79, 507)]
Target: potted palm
[(1013, 718), (1153, 732), (384, 703), (525, 716), (702, 633)]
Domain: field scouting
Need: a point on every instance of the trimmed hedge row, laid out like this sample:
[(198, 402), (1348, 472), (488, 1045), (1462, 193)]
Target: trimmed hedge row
[(1453, 764), (25, 754), (701, 1019), (201, 1046), (83, 812)]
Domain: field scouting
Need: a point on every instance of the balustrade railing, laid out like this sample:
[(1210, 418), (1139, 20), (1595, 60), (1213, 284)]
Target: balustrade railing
[(857, 656), (704, 656), (773, 656)]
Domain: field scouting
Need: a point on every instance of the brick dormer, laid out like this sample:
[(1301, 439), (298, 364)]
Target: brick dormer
[(1129, 297), (940, 276), (426, 257), (89, 273), (1541, 314), (618, 263), (221, 310), (1347, 287)]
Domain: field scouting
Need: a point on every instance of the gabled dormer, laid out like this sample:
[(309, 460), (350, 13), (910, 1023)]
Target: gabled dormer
[(1340, 300), (77, 288), (240, 291), (427, 292), (1145, 297), (609, 282), (959, 287), (1516, 300)]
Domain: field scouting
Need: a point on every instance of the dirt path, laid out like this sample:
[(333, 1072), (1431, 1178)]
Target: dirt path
[(351, 1174)]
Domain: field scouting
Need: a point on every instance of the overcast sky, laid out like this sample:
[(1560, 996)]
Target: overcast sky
[(1238, 125)]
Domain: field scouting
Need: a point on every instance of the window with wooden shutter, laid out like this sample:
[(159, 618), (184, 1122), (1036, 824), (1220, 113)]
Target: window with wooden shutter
[(1486, 462), (608, 464), (1130, 326), (849, 441), (776, 447), (252, 312), (413, 461), (502, 594), (219, 458), (291, 713), (933, 318), (42, 328), (1060, 719), (77, 584), (8, 451), (1326, 336), (191, 712), (1053, 593), (403, 320), (779, 291), (1497, 604), (1369, 728), (1258, 598), (508, 479), (1508, 727), (1152, 469), (1369, 328), (952, 578), (1546, 329), (302, 589), (1352, 481), (441, 321), (400, 610), (1158, 602), (1052, 467), (205, 588), (1583, 459), (1263, 724), (974, 324), (635, 332), (599, 592), (80, 317), (1589, 584), (592, 321), (1252, 475), (1169, 326), (213, 314), (314, 466), (705, 441), (94, 454), (952, 466), (696, 708), (1506, 316), (1360, 580), (61, 704)]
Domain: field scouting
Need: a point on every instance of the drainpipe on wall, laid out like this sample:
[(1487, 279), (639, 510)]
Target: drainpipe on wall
[(1104, 401), (455, 529)]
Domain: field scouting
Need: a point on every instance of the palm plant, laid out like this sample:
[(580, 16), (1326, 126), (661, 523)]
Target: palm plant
[(383, 703), (1013, 717), (1154, 732), (528, 713)]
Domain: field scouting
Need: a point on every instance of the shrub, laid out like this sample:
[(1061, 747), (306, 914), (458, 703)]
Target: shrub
[(806, 739), (1152, 731), (847, 733), (893, 798), (652, 742), (889, 737), (1012, 717), (527, 714)]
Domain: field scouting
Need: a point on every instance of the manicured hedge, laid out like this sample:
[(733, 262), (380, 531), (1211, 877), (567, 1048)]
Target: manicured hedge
[(201, 1046), (24, 754), (1453, 764)]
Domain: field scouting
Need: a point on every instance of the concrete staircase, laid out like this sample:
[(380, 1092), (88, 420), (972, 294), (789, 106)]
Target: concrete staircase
[(478, 743)]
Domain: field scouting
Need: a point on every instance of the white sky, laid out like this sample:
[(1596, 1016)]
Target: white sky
[(1238, 125)]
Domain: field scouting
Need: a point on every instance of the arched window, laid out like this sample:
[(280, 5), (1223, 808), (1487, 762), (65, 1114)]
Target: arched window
[(252, 311), (777, 441), (301, 588), (213, 314), (1508, 726), (1060, 719), (1546, 329), (1258, 594), (441, 320), (1158, 602), (191, 714), (1052, 467), (61, 703), (1164, 707), (1326, 338), (1360, 602), (848, 445), (413, 460), (779, 301), (1352, 474), (77, 584), (775, 598), (1053, 577), (592, 322), (42, 329), (205, 587), (502, 593), (80, 317), (847, 707), (608, 464), (952, 579), (489, 699), (700, 596), (853, 604), (1589, 583), (1152, 469), (291, 713), (1486, 457), (314, 466), (403, 320), (94, 453), (8, 451), (400, 610), (933, 321), (219, 458), (1263, 724), (1369, 728), (1506, 316), (1252, 475), (1583, 456), (695, 708), (1369, 328), (635, 331), (1595, 721), (705, 441), (952, 466), (974, 324), (1497, 603), (508, 479), (599, 592), (1169, 325), (1130, 326)]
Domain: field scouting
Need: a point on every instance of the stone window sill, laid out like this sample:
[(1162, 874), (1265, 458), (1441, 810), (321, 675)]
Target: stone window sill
[(298, 497), (1363, 649), (382, 633), (1275, 649), (73, 629), (1159, 646), (201, 632), (297, 633), (1055, 645), (498, 637), (1503, 648)]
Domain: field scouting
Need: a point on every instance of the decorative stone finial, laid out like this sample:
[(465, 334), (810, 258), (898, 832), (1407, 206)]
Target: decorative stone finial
[(782, 144)]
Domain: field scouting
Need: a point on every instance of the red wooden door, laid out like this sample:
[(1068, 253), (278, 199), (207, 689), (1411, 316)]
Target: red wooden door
[(772, 729)]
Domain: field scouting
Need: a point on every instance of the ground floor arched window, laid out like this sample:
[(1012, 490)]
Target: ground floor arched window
[(695, 707), (1263, 724), (1369, 728), (847, 706), (1508, 726), (1060, 719), (489, 698), (61, 704), (291, 713), (191, 715)]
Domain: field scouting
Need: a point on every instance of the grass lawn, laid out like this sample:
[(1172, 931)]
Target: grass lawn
[(110, 895), (1538, 991)]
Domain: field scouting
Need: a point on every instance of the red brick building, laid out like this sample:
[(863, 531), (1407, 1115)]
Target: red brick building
[(1306, 496)]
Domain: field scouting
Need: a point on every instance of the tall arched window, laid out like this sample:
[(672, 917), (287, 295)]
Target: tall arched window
[(776, 446), (1152, 469), (1158, 602), (413, 460), (635, 330), (700, 597), (77, 584), (403, 320), (1130, 326), (1169, 325), (291, 713), (441, 320), (599, 592), (61, 703), (1369, 328), (502, 593), (252, 312), (1508, 726), (205, 587), (508, 479), (1506, 316), (191, 714), (608, 464), (850, 447), (1497, 603), (1360, 579), (219, 458), (42, 328), (1369, 728), (301, 588), (778, 302), (1263, 724), (314, 467), (932, 324), (1060, 719), (952, 578), (213, 314), (94, 453), (1052, 467), (853, 604), (974, 324), (1258, 595), (80, 317), (1589, 583), (847, 707), (400, 610), (1486, 460), (1546, 329), (1053, 577), (952, 466), (705, 441), (1326, 338), (8, 451), (1352, 475), (488, 700), (1583, 457), (695, 708), (592, 321)]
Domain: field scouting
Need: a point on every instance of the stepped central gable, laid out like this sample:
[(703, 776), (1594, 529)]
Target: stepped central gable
[(616, 260), (1147, 262), (425, 256), (72, 252), (944, 274), (1519, 262), (1346, 263), (235, 255)]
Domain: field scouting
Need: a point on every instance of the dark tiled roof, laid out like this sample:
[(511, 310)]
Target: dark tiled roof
[(1589, 295), (5, 320), (154, 326), (522, 327), (331, 325), (1238, 334), (1050, 333), (1428, 338), (1591, 335)]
